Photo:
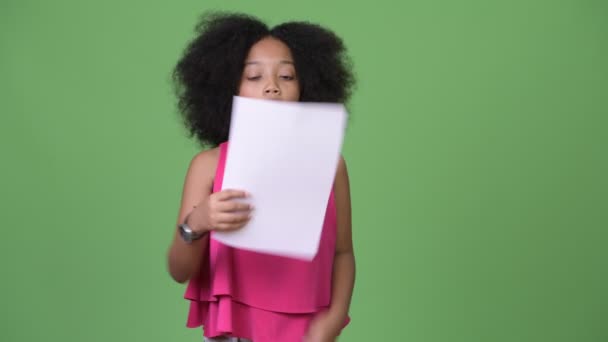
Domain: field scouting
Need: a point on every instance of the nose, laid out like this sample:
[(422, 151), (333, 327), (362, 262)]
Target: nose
[(272, 89)]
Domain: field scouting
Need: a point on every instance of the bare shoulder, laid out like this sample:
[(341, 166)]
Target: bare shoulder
[(205, 159), (202, 168), (341, 171), (342, 184), (343, 209), (199, 179)]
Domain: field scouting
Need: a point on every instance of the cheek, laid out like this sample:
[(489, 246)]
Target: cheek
[(245, 90), (294, 94)]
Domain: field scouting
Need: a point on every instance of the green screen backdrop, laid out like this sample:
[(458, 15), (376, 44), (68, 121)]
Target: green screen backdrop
[(477, 150)]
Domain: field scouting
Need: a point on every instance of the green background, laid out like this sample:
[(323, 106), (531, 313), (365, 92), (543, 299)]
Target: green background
[(476, 148)]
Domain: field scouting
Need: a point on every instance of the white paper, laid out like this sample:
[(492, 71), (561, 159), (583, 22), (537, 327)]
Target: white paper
[(285, 154)]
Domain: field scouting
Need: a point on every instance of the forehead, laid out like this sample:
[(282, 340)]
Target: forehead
[(269, 49)]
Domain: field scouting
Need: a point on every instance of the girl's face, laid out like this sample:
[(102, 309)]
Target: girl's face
[(269, 72)]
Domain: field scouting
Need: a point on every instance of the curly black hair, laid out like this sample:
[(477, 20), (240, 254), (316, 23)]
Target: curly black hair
[(208, 74)]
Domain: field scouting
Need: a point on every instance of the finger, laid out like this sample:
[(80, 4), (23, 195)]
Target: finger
[(235, 223), (232, 218), (229, 194), (230, 226), (232, 206)]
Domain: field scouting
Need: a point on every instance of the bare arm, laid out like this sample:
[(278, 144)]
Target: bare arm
[(184, 259), (344, 262), (327, 325), (203, 211)]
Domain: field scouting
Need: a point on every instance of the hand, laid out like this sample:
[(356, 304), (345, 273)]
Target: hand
[(221, 211), (324, 327)]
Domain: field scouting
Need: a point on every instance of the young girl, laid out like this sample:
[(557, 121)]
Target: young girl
[(239, 295)]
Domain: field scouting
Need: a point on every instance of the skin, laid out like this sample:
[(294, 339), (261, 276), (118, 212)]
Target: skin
[(269, 73)]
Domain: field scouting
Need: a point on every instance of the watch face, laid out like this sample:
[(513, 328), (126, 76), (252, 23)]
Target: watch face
[(185, 233)]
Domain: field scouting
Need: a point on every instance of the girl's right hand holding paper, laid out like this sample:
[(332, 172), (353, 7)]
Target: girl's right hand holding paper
[(222, 211)]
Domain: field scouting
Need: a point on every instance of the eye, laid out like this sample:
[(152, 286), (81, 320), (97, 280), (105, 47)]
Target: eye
[(253, 78), (287, 77)]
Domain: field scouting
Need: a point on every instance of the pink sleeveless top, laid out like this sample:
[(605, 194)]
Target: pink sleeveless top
[(261, 297)]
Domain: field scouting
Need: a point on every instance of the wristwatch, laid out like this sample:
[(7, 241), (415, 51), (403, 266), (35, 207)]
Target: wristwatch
[(188, 235)]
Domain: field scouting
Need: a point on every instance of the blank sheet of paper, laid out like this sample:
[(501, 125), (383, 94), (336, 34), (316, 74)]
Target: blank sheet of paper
[(285, 154)]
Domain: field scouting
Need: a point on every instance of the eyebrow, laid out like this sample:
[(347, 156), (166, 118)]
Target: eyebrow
[(281, 62)]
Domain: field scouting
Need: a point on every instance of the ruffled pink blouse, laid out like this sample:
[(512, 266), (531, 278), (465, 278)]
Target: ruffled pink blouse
[(261, 297)]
